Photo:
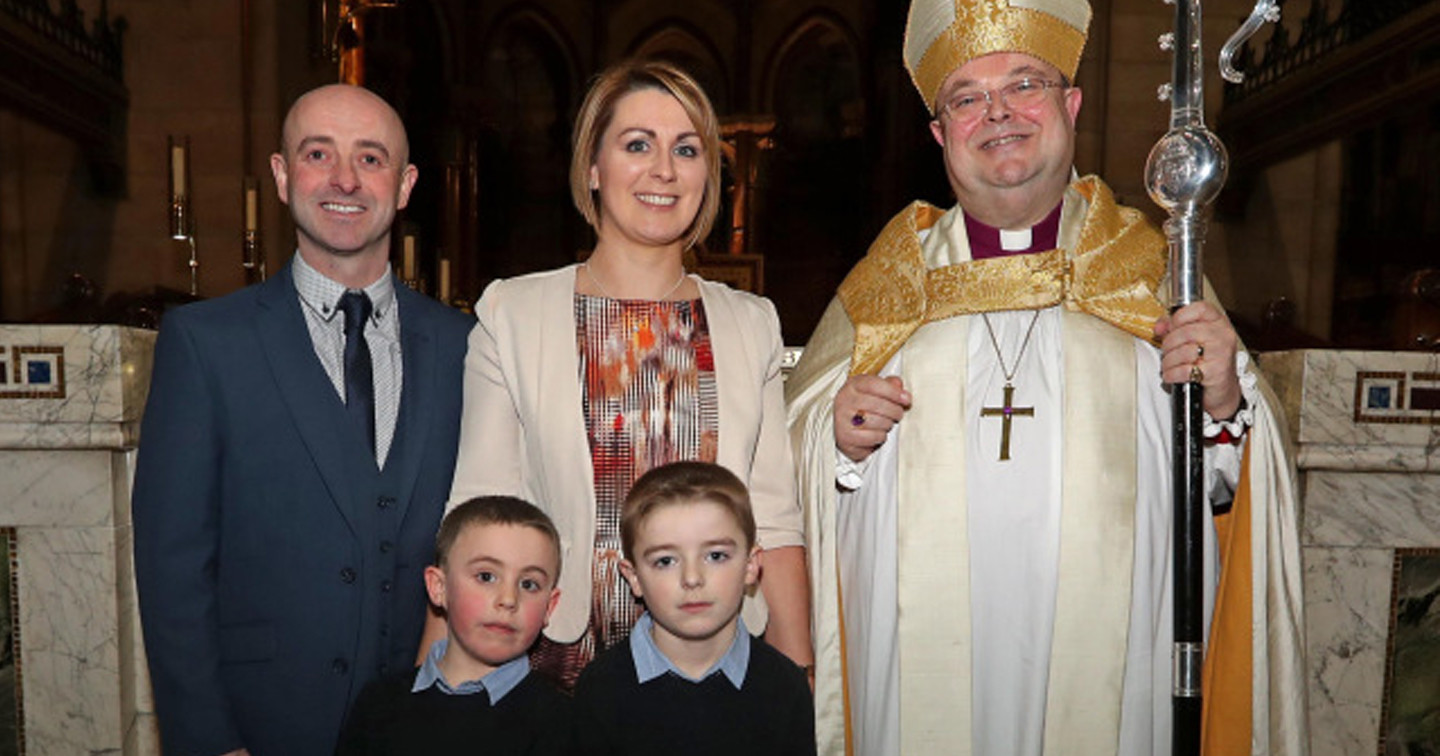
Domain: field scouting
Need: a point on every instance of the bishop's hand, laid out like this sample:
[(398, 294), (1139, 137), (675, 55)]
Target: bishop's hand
[(1197, 341), (866, 408)]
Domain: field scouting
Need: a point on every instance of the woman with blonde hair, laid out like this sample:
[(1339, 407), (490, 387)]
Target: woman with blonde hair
[(579, 380)]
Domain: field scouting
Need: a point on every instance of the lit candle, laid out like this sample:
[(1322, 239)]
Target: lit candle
[(407, 267), (444, 281), (252, 221), (177, 168)]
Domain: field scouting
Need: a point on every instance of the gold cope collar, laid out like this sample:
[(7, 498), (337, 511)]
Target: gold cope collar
[(1113, 274)]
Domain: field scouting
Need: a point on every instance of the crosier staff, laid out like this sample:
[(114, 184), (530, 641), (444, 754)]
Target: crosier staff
[(1183, 174)]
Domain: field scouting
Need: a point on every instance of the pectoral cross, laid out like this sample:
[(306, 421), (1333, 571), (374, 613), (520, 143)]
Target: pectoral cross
[(1006, 414)]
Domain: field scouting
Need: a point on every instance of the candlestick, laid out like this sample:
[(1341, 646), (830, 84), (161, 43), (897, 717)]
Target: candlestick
[(177, 167), (194, 267), (180, 221), (407, 266), (252, 202), (250, 258)]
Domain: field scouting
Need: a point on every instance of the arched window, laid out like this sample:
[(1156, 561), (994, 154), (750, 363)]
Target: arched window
[(526, 219), (812, 195)]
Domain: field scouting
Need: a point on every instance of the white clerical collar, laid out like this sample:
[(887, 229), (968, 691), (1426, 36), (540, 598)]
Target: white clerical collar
[(1014, 241)]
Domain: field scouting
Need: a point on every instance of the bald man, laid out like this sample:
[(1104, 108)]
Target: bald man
[(295, 456)]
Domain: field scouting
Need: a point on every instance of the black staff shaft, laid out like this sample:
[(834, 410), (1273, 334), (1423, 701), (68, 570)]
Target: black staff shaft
[(1189, 544)]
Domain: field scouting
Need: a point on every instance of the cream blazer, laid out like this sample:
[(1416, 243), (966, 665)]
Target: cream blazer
[(523, 430)]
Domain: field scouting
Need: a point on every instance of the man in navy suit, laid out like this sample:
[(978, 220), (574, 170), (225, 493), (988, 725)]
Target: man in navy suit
[(295, 457)]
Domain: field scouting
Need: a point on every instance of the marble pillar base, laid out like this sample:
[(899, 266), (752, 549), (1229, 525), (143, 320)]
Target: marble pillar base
[(70, 404), (1368, 449)]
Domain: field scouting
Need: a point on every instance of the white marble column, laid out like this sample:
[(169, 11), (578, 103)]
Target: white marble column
[(70, 405), (1368, 452)]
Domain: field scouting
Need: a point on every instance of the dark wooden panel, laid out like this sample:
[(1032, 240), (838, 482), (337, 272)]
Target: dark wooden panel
[(67, 80)]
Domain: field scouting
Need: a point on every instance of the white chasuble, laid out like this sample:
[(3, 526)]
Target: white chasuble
[(946, 535), (967, 605)]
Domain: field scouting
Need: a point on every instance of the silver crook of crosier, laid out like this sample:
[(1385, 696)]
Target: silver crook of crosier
[(1265, 11)]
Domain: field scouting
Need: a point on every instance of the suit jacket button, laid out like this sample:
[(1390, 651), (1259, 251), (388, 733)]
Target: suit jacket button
[(339, 666), (384, 502), (386, 547), (385, 586), (348, 575)]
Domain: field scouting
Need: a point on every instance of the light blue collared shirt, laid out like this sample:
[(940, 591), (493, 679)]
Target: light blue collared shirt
[(498, 683), (651, 662)]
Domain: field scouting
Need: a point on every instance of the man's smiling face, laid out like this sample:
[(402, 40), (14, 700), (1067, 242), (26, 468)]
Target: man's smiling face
[(343, 172), (1007, 149)]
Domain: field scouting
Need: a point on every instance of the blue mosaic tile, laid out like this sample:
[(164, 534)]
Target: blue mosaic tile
[(37, 372), (1378, 397)]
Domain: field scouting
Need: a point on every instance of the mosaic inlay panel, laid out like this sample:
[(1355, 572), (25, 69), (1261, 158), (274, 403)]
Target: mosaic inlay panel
[(12, 707), (1397, 397), (32, 372), (1407, 713)]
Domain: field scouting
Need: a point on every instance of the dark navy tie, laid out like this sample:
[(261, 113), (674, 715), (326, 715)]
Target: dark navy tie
[(359, 381)]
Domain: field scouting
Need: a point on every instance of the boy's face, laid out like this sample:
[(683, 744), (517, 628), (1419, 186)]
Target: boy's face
[(497, 589), (691, 567)]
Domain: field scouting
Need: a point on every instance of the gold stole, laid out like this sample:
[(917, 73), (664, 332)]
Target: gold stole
[(1097, 521)]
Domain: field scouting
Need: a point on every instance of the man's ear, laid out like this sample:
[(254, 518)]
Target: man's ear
[(282, 177), (937, 130), (627, 570), (407, 183), (1073, 98), (435, 585)]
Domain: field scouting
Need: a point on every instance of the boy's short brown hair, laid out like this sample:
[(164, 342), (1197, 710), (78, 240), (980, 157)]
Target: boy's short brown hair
[(685, 483), (493, 510)]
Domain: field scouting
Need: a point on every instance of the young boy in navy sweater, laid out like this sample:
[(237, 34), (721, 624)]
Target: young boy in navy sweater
[(690, 678), (497, 560)]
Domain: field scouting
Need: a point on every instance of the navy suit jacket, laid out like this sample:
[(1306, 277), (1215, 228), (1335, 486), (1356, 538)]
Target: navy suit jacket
[(278, 569)]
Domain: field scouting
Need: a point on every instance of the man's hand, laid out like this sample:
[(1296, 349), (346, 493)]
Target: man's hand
[(1199, 335), (241, 752), (866, 408)]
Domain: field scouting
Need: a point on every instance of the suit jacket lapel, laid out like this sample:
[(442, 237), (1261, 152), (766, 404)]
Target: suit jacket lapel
[(416, 408), (303, 385)]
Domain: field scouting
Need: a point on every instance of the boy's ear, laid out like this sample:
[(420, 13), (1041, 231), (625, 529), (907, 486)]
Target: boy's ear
[(435, 585), (550, 609), (627, 569), (752, 565)]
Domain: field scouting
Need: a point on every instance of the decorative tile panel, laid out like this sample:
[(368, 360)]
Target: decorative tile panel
[(32, 372), (1397, 397)]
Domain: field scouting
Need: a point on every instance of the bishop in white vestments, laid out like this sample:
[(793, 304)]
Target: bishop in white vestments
[(983, 431)]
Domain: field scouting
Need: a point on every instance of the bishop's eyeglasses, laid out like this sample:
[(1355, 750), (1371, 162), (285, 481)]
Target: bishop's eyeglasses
[(972, 104)]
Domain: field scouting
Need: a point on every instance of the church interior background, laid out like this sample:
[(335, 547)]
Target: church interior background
[(1325, 243), (1326, 233)]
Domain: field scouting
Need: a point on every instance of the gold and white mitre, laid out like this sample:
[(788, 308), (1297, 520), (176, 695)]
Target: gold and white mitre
[(943, 35)]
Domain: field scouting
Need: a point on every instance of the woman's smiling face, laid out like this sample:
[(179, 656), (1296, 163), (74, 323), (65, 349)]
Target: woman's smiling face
[(649, 171)]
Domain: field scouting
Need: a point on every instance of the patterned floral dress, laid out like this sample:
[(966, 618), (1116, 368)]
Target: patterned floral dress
[(648, 379)]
